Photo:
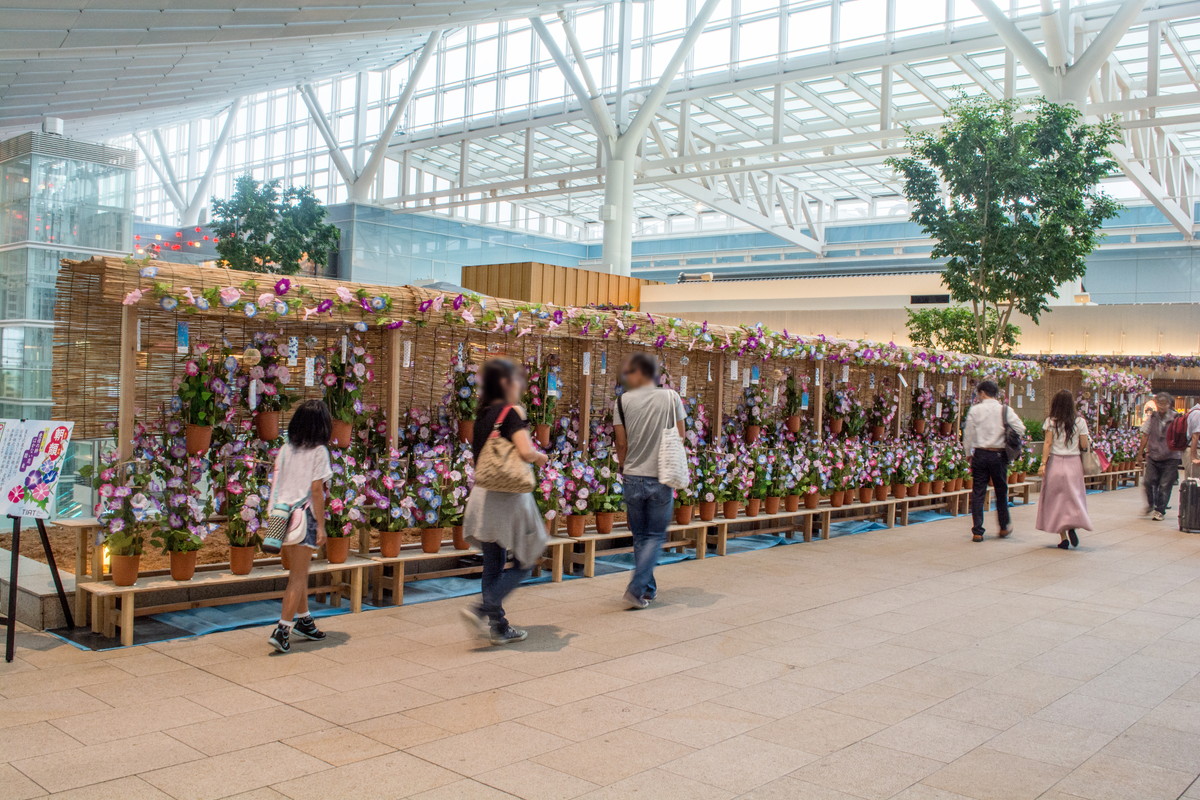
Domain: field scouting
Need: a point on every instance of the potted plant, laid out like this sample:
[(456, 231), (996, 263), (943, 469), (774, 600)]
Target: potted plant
[(264, 386), (793, 399), (345, 504), (549, 492), (198, 392), (949, 415), (541, 397), (577, 493), (463, 399), (183, 522), (127, 509), (903, 475), (838, 406), (245, 497), (455, 487), (707, 484), (606, 490), (346, 369), (427, 473), (755, 408), (882, 412)]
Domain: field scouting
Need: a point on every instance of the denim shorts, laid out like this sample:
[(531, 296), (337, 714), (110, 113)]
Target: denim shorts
[(310, 536)]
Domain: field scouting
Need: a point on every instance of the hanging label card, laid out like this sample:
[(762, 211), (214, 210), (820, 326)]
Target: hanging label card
[(804, 401), (552, 384), (1020, 401), (733, 369), (181, 338), (461, 357), (920, 380), (683, 386), (962, 382), (903, 380), (604, 363), (754, 374), (845, 373), (252, 399), (938, 410), (746, 378), (137, 345), (539, 353), (871, 380), (1032, 393), (310, 371), (710, 372), (293, 357), (407, 353), (816, 375), (345, 344), (587, 363), (775, 396)]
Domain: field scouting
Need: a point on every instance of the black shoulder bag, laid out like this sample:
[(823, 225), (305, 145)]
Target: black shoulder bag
[(1013, 443)]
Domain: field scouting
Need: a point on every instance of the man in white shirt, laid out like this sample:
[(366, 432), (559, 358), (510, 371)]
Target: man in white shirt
[(983, 438)]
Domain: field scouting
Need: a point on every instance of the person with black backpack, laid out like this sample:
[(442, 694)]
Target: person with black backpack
[(1162, 459), (990, 433)]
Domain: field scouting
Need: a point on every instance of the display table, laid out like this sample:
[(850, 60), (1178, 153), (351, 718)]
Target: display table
[(678, 537), (114, 607), (86, 529)]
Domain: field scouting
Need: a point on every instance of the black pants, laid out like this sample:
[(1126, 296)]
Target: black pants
[(1159, 480), (989, 466)]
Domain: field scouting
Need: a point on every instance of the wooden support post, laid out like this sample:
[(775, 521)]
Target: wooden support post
[(585, 415), (127, 382), (395, 347), (819, 401), (719, 415)]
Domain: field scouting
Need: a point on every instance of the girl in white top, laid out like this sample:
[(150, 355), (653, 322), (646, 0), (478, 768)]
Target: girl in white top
[(301, 469), (1062, 507)]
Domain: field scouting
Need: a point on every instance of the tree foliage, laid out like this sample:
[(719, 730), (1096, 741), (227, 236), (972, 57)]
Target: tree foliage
[(261, 229), (1009, 191), (953, 328)]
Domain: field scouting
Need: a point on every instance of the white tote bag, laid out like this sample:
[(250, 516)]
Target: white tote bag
[(672, 458)]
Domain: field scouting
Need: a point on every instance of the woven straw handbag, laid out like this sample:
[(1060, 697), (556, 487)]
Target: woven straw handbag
[(500, 467)]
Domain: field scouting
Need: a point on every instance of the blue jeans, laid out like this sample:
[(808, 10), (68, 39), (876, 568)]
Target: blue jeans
[(498, 583), (648, 504)]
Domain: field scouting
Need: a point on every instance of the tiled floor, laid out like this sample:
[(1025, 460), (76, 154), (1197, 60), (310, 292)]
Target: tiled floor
[(908, 663)]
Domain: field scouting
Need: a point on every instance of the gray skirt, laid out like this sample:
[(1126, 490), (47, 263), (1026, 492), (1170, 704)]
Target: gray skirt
[(508, 519)]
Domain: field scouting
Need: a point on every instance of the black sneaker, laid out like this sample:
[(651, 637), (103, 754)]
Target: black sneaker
[(308, 629), (279, 639), (508, 635)]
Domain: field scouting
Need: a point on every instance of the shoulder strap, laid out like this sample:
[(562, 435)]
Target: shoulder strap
[(621, 410), (500, 419)]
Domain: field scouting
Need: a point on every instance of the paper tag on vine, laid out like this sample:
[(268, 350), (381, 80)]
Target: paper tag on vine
[(293, 350), (407, 353), (137, 345), (937, 412), (587, 363), (871, 380), (344, 345), (253, 394), (754, 374), (1029, 390), (746, 378), (683, 386), (733, 369), (903, 380), (804, 401), (462, 357), (310, 371), (552, 384), (181, 338), (816, 375), (775, 396), (962, 383), (710, 372), (845, 373), (1020, 401)]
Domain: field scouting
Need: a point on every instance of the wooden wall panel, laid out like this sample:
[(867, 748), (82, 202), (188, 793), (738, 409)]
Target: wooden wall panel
[(532, 282)]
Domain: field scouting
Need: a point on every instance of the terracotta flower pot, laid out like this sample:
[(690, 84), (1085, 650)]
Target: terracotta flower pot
[(771, 505), (459, 538), (466, 429), (752, 433), (683, 515), (837, 499), (944, 428), (266, 425), (431, 539), (543, 435), (183, 565), (1021, 476), (848, 496), (337, 549), (877, 433), (575, 525), (708, 511), (389, 543), (881, 492), (241, 559), (753, 506), (125, 569), (342, 433), (956, 485), (793, 423), (811, 499), (730, 508), (924, 488), (198, 439), (835, 425), (968, 483), (865, 493), (604, 521), (1012, 477), (939, 487), (919, 426), (791, 502), (899, 490)]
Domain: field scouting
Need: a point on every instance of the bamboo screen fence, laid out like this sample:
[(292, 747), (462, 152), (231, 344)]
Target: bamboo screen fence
[(114, 362)]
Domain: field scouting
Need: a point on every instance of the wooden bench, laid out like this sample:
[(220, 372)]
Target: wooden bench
[(678, 537), (114, 607)]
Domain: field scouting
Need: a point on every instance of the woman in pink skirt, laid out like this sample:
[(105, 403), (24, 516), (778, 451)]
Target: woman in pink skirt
[(1062, 507)]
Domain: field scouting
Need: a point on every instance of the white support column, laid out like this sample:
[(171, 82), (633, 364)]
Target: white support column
[(317, 114), (190, 216), (167, 184)]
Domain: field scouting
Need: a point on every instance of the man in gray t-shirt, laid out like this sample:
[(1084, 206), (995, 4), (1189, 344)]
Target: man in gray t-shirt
[(643, 411)]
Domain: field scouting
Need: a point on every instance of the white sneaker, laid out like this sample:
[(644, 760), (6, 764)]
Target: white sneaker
[(635, 602), (1158, 516), (476, 623)]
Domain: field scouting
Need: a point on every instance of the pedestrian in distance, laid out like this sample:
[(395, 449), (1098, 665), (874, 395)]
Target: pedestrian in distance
[(984, 438), (1162, 463), (1062, 506)]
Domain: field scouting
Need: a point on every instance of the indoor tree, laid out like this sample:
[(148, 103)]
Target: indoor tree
[(261, 229), (954, 328), (1009, 191)]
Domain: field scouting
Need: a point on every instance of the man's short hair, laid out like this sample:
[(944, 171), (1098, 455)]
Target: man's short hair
[(645, 364), (989, 388), (1165, 397)]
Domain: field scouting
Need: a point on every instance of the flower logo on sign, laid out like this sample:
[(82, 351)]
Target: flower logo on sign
[(16, 494)]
